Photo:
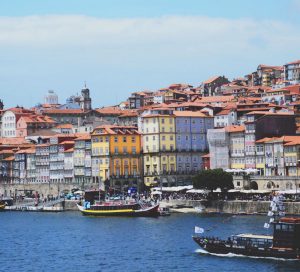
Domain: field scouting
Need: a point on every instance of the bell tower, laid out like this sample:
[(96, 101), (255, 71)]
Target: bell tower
[(85, 100)]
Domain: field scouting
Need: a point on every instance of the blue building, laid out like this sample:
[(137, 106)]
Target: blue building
[(191, 139)]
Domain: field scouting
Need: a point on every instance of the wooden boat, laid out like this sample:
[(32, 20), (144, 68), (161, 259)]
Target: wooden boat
[(119, 208), (164, 211), (285, 242), (2, 206)]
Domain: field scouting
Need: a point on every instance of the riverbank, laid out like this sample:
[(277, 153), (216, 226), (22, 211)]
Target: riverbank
[(230, 207), (202, 206)]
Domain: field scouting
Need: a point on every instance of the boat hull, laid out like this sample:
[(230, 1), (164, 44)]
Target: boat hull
[(151, 212), (221, 247), (2, 207)]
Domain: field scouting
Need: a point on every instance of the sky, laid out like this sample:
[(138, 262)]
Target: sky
[(118, 47)]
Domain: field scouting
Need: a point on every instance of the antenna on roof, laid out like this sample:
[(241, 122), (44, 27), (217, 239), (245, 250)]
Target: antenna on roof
[(84, 84)]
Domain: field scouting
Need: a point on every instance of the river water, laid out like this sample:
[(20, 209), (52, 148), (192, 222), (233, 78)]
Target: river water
[(69, 241)]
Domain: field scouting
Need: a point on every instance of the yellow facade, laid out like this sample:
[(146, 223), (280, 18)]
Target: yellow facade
[(159, 143), (100, 152), (125, 152), (291, 159)]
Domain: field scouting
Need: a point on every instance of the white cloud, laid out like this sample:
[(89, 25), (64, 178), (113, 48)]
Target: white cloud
[(198, 32), (139, 52)]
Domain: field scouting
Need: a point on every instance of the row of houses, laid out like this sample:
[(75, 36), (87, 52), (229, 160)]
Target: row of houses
[(166, 142)]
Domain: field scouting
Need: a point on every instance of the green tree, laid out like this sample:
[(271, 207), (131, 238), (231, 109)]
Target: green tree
[(212, 179)]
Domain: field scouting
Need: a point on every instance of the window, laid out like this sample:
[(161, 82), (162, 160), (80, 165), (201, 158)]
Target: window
[(171, 138), (116, 150), (124, 139), (163, 138), (124, 149), (116, 139), (133, 139), (153, 138), (162, 120), (171, 121)]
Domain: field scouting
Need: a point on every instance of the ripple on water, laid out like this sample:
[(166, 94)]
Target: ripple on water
[(69, 241)]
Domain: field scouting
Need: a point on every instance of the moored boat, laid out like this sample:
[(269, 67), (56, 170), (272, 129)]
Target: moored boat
[(285, 242), (2, 206), (119, 208)]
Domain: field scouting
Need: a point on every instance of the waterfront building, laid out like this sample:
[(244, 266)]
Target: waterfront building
[(42, 163), (8, 169), (237, 146), (191, 141), (265, 124), (218, 141), (159, 146), (58, 145), (83, 160), (116, 155), (30, 165), (24, 166), (292, 158), (68, 165)]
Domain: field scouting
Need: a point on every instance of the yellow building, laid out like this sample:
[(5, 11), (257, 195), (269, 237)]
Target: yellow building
[(116, 154), (159, 145), (237, 146), (291, 158)]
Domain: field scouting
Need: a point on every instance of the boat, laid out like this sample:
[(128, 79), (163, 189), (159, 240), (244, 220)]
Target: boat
[(285, 242), (2, 205), (164, 211), (119, 208)]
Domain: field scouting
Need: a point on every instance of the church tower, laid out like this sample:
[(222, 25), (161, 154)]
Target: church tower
[(85, 100)]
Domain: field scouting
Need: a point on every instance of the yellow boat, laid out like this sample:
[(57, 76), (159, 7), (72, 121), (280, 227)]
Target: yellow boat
[(119, 209)]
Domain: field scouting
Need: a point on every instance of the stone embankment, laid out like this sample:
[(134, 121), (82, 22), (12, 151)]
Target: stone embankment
[(231, 207)]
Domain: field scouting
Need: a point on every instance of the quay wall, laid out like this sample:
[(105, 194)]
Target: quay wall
[(234, 207), (44, 189)]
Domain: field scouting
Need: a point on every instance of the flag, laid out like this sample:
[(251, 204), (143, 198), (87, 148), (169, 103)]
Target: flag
[(198, 230), (266, 225), (270, 213)]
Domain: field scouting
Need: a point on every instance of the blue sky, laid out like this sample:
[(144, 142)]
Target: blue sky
[(119, 47)]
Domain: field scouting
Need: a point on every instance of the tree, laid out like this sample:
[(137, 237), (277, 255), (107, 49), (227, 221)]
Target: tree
[(212, 179)]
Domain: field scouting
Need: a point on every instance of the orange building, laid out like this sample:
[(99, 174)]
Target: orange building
[(116, 155)]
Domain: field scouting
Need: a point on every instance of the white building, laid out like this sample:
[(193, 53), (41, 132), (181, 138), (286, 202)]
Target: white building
[(226, 117), (8, 124)]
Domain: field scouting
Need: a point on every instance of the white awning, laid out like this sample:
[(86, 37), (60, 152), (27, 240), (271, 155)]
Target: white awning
[(289, 192), (197, 191)]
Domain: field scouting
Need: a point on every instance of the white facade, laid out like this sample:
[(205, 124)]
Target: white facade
[(224, 120), (219, 144), (8, 129)]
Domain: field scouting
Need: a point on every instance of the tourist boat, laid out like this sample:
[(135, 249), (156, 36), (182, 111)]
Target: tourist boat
[(285, 242), (119, 208)]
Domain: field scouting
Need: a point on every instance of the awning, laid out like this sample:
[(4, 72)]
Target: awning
[(289, 192), (256, 191), (197, 191)]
